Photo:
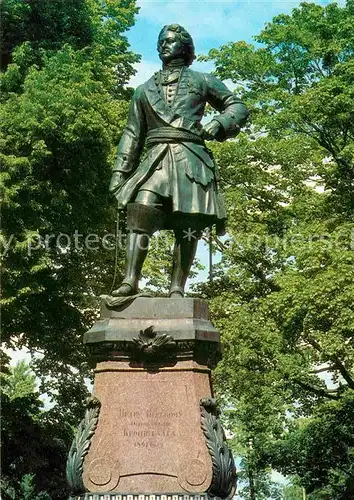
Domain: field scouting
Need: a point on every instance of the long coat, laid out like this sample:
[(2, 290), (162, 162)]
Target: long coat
[(182, 171)]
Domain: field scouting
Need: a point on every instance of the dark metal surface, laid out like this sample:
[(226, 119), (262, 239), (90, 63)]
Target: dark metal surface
[(80, 447), (138, 496), (224, 470), (177, 169), (155, 330)]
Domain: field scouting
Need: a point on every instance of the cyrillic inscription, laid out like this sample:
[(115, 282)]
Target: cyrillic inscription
[(145, 428)]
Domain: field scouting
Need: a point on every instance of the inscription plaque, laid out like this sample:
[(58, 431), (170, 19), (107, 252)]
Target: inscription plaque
[(147, 428), (149, 431)]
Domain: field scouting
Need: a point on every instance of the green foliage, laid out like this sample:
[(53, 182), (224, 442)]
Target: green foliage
[(20, 382), (26, 491), (283, 293), (45, 24), (34, 442), (59, 139), (257, 484), (92, 25), (64, 104), (61, 120), (158, 265), (292, 492), (320, 450)]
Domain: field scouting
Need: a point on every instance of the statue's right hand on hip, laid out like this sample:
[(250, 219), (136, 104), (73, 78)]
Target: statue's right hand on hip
[(211, 130), (117, 181)]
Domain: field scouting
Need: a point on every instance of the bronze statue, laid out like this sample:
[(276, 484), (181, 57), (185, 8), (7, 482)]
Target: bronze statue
[(175, 184)]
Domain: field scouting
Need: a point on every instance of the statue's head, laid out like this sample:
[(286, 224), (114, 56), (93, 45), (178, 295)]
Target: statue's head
[(174, 42)]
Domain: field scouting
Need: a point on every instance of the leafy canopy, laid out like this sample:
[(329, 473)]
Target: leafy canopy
[(64, 105), (283, 293)]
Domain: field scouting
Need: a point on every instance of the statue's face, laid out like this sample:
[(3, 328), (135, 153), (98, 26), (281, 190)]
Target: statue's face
[(169, 46)]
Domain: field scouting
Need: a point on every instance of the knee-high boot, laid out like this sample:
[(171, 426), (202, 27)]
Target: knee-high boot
[(136, 249), (142, 221), (183, 256)]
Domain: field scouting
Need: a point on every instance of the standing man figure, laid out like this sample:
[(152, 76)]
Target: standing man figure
[(175, 184)]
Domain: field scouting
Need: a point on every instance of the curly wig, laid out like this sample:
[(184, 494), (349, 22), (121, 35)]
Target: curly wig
[(185, 38)]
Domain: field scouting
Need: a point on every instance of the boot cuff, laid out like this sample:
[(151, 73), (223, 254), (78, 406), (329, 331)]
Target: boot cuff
[(144, 218)]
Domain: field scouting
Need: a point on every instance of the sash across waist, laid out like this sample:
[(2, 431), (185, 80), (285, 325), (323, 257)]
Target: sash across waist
[(170, 134)]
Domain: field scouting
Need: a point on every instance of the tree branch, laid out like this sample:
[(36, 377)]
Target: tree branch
[(337, 364), (320, 370), (316, 390)]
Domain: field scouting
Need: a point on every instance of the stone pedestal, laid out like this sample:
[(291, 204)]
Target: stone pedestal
[(152, 427)]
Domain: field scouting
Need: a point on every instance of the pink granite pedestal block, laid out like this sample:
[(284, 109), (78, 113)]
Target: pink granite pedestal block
[(147, 433), (149, 438)]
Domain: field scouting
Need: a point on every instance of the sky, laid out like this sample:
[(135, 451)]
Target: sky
[(211, 24)]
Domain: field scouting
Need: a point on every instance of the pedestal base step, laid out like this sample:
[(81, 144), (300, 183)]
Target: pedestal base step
[(135, 496)]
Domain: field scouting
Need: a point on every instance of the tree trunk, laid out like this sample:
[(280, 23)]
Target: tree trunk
[(251, 483)]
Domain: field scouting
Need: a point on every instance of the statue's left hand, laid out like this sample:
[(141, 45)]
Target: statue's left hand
[(211, 130)]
